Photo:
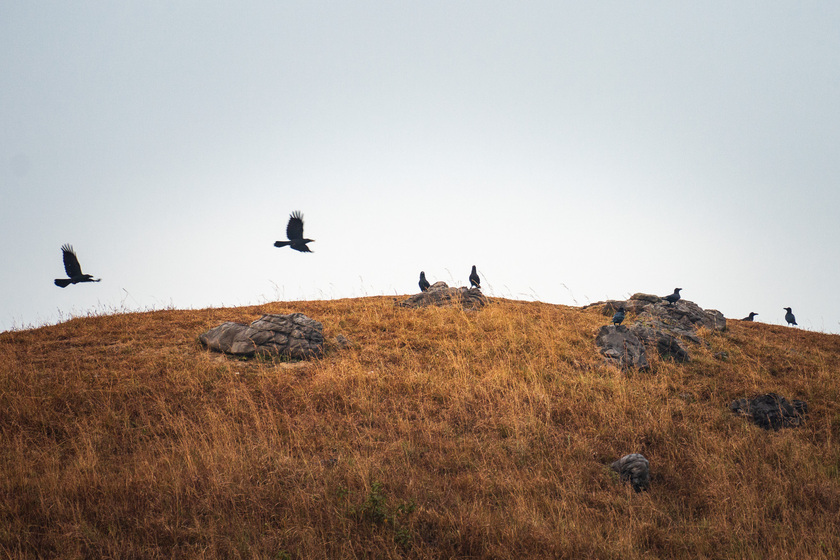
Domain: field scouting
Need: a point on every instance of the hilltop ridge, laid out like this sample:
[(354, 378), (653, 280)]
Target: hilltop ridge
[(438, 433)]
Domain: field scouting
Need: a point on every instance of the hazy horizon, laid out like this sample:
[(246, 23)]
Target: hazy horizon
[(572, 153)]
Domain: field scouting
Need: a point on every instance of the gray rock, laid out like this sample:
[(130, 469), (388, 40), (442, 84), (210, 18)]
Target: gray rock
[(441, 295), (293, 336), (635, 469), (665, 326), (684, 314), (646, 298), (634, 306), (621, 347), (771, 411), (666, 344)]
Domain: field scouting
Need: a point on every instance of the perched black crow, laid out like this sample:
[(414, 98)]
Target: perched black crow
[(618, 317), (294, 231), (424, 284), (750, 318), (789, 316), (675, 297), (73, 269), (475, 281)]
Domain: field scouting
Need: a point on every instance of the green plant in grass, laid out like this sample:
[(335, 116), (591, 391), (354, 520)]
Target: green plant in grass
[(376, 510)]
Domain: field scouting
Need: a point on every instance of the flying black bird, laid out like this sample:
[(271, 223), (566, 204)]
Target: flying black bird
[(424, 284), (673, 298), (618, 317), (789, 316), (475, 281), (750, 318), (73, 269), (294, 231)]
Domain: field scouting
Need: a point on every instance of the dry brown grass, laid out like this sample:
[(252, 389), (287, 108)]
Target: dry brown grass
[(441, 434)]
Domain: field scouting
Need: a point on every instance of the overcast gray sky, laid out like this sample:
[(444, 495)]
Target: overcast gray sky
[(573, 151)]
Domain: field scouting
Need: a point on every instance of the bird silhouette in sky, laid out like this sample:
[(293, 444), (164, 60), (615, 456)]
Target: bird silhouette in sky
[(294, 231), (73, 269), (791, 320), (475, 281), (750, 318), (424, 284)]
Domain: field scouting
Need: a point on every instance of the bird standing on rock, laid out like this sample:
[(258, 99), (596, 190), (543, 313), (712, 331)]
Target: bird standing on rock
[(294, 231), (475, 281), (618, 317), (673, 298), (750, 318), (424, 284), (791, 320), (73, 269)]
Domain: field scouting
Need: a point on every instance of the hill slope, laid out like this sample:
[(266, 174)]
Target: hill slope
[(439, 434)]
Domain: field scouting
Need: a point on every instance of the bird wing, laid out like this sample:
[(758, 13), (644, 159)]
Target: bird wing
[(294, 229), (71, 263)]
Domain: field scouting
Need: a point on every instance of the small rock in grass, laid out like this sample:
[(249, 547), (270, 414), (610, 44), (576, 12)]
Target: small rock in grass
[(635, 469), (771, 411)]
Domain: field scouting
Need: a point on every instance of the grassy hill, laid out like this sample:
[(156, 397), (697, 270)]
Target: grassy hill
[(439, 434)]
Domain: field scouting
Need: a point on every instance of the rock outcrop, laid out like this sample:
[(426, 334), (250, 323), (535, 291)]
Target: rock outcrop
[(440, 294), (771, 411), (683, 317), (621, 347), (635, 469), (668, 345), (292, 336), (663, 326)]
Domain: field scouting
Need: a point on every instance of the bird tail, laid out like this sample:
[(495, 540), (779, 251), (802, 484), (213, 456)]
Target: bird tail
[(281, 243), (62, 282)]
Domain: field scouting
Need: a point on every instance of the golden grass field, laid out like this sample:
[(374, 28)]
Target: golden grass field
[(439, 434)]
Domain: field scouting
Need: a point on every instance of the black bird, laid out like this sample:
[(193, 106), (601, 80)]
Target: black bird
[(789, 316), (750, 318), (674, 298), (618, 317), (424, 284), (475, 281), (73, 269), (294, 231)]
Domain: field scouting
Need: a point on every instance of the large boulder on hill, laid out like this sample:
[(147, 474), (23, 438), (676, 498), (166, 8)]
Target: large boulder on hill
[(635, 469), (293, 336), (621, 347), (668, 345), (684, 315), (771, 411), (441, 295), (661, 325)]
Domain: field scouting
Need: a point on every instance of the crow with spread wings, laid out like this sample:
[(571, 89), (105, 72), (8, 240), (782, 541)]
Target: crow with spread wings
[(73, 269), (294, 231)]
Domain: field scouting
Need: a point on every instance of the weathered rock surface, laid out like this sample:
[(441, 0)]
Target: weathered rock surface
[(665, 343), (664, 326), (294, 336), (684, 315), (771, 411), (440, 294), (621, 347), (635, 469)]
